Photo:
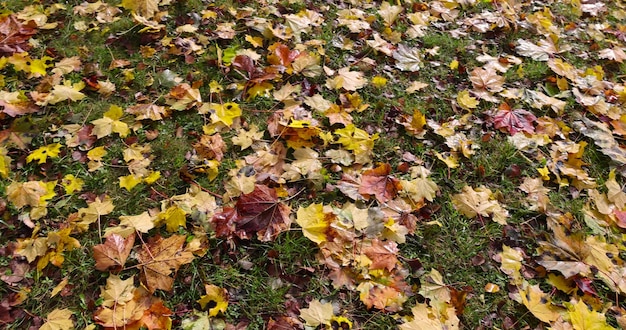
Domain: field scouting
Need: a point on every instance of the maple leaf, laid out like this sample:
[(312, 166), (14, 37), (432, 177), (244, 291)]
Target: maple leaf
[(16, 104), (26, 193), (513, 121), (317, 313), (161, 257), (72, 183), (314, 222), (42, 154), (584, 318), (110, 123), (472, 203), (117, 291), (486, 80), (420, 188), (211, 147), (216, 299), (67, 91), (129, 224), (174, 217), (59, 319), (113, 253), (145, 8), (539, 303), (378, 182), (432, 318), (183, 96), (258, 212), (14, 34), (349, 80), (466, 101), (382, 254), (148, 111), (129, 182), (93, 211), (434, 288), (407, 59), (541, 52), (245, 138)]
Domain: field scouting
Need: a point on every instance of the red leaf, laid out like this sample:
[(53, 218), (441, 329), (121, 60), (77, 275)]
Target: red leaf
[(379, 183), (513, 121), (258, 212), (585, 285), (14, 35)]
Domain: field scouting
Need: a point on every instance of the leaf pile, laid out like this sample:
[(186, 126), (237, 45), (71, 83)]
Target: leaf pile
[(189, 133)]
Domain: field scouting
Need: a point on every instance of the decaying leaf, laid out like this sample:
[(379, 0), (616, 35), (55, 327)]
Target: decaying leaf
[(160, 258)]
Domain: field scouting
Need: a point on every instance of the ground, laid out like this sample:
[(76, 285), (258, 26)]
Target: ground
[(312, 164)]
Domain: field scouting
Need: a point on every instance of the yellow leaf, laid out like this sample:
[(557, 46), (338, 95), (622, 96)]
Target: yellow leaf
[(152, 177), (379, 81), (25, 193), (539, 304), (117, 291), (129, 224), (260, 89), (50, 185), (145, 8), (225, 113), (42, 154), (58, 319), (452, 160), (72, 184), (479, 202), (545, 173), (454, 64), (59, 287), (174, 217), (254, 41), (317, 313), (466, 101), (314, 222), (584, 318), (39, 66), (67, 91), (115, 112), (420, 188), (5, 162), (511, 260), (96, 154), (216, 298), (129, 181)]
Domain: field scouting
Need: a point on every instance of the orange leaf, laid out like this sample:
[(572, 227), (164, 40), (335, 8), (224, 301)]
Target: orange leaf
[(378, 182), (113, 253), (161, 257)]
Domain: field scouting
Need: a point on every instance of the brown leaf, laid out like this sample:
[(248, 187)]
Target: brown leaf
[(113, 253), (379, 183), (161, 257), (258, 212), (211, 147), (14, 35), (382, 254)]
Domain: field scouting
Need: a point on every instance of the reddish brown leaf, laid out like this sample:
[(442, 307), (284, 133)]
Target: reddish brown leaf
[(382, 254), (161, 257), (258, 212), (379, 183), (211, 147), (513, 121), (113, 253), (585, 285), (157, 316), (14, 35)]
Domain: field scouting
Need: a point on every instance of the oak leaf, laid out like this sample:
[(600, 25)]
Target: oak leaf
[(379, 183), (160, 258), (113, 253)]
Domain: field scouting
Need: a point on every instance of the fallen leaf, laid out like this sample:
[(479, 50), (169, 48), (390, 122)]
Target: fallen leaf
[(407, 59), (161, 257), (215, 300), (113, 253), (317, 313), (59, 319), (379, 183)]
